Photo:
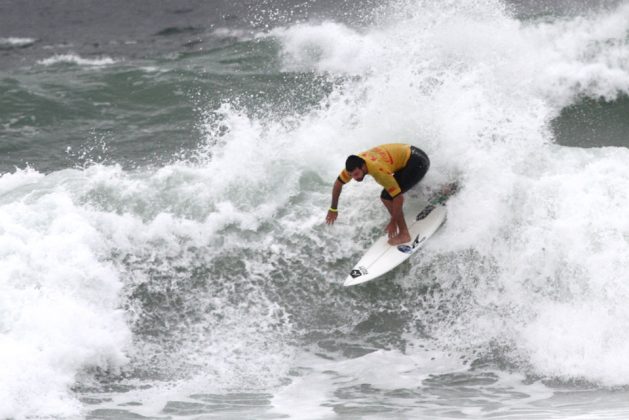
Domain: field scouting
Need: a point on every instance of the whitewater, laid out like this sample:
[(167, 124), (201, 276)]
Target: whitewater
[(202, 282)]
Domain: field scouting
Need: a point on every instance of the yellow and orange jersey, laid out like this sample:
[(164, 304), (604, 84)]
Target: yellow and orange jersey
[(382, 162)]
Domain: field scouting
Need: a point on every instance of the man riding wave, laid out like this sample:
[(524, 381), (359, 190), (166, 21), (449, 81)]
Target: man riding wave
[(397, 167)]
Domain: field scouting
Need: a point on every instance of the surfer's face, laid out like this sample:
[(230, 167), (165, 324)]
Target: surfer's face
[(358, 174)]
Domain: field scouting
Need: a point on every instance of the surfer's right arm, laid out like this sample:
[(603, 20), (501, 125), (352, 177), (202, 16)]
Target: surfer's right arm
[(333, 210)]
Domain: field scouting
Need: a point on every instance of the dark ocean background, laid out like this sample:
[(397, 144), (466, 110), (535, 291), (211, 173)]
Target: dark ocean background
[(165, 170)]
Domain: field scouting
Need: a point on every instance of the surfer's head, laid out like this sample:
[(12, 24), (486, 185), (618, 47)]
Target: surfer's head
[(356, 167)]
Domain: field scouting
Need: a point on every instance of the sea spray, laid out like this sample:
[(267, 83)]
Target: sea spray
[(216, 275), (59, 301), (480, 104)]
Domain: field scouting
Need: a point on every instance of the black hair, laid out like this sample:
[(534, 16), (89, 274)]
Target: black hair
[(353, 162)]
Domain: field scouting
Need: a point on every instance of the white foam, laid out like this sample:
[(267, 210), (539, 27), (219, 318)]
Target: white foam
[(584, 339), (311, 395), (326, 47), (17, 42), (240, 34), (535, 227), (563, 58), (78, 60), (59, 301), (374, 379)]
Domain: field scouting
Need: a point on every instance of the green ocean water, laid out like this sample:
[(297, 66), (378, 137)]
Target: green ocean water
[(142, 113)]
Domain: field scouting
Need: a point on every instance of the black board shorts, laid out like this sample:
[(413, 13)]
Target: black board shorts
[(415, 169)]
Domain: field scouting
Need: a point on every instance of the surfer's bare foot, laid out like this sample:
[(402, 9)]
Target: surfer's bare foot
[(400, 239)]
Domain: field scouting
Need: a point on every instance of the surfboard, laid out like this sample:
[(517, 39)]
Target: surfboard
[(382, 257)]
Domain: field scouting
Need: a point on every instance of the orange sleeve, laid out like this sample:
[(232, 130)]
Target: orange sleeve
[(344, 177)]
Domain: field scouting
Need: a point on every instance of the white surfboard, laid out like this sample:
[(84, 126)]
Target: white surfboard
[(382, 257)]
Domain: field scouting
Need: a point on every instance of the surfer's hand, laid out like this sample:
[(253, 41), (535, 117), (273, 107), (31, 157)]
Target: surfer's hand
[(392, 229), (331, 217)]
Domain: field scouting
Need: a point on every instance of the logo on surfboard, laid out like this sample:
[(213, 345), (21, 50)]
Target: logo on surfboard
[(357, 272), (405, 249), (408, 249), (418, 241), (425, 212)]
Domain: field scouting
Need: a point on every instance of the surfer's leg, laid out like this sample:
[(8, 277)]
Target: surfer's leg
[(399, 231), (388, 203), (407, 177), (403, 234)]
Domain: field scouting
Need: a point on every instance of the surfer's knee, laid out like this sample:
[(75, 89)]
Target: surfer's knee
[(385, 197)]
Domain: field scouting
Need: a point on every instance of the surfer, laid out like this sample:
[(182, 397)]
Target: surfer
[(397, 167)]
